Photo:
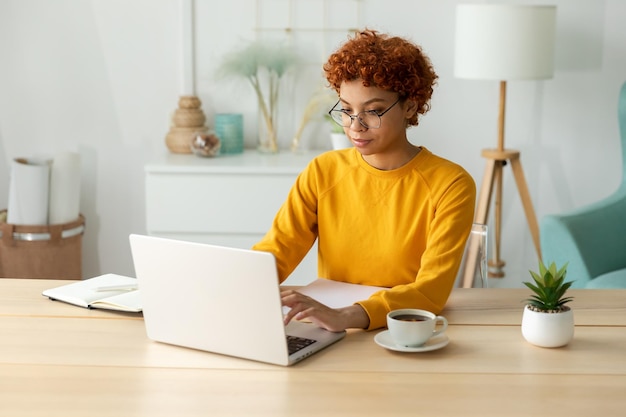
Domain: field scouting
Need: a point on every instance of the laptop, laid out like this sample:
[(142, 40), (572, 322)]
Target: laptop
[(219, 299)]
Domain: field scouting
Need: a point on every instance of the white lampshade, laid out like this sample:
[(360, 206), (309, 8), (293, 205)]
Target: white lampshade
[(504, 42)]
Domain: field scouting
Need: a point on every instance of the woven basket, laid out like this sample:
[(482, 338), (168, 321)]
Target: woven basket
[(48, 251)]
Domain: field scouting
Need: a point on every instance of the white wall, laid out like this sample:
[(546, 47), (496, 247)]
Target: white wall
[(102, 77)]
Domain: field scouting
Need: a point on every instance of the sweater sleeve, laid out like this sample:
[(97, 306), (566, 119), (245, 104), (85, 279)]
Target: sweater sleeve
[(294, 228)]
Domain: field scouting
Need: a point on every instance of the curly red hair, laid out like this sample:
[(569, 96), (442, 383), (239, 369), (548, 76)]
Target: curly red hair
[(390, 63)]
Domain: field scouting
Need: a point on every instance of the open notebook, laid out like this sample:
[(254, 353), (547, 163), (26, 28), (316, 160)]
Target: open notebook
[(219, 299), (109, 291)]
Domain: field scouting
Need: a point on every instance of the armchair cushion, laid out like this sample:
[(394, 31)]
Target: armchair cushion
[(591, 240), (615, 279)]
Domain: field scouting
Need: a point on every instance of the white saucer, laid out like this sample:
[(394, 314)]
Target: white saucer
[(437, 342)]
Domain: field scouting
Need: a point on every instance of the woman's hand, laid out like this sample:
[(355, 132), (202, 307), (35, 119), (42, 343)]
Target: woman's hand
[(331, 319)]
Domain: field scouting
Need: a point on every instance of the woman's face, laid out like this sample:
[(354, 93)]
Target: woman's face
[(390, 137)]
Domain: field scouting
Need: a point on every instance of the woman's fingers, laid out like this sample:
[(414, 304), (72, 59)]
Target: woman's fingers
[(301, 306)]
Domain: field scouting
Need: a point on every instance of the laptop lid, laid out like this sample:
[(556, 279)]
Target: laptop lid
[(217, 299)]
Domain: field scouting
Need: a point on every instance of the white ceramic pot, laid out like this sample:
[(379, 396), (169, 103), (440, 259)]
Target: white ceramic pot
[(548, 329), (340, 141)]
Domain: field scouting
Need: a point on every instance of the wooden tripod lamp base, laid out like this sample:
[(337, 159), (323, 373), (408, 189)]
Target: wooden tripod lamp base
[(496, 160), (504, 42)]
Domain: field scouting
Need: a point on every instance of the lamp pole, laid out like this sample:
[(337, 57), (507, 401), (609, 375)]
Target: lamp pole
[(504, 42), (496, 160)]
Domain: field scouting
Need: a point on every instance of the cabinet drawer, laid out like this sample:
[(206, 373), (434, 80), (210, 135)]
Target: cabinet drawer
[(229, 201), (215, 203)]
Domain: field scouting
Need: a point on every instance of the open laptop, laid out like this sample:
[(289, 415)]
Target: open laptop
[(219, 299)]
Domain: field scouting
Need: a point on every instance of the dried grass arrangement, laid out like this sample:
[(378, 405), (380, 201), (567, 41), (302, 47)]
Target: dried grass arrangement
[(317, 107), (263, 64)]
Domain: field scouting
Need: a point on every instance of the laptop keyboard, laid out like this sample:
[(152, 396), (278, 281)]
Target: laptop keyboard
[(295, 343)]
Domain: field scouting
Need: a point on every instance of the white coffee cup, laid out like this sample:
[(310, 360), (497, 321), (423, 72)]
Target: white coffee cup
[(412, 327)]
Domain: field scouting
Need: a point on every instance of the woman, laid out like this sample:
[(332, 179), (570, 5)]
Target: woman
[(385, 212)]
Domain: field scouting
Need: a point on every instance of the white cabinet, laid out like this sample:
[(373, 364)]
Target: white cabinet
[(230, 200)]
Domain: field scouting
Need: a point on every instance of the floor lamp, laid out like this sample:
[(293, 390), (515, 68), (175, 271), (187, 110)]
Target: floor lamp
[(504, 42)]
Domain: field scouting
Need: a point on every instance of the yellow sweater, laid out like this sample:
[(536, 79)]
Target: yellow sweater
[(404, 229)]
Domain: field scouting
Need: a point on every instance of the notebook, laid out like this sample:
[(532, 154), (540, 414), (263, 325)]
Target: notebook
[(218, 299), (108, 291)]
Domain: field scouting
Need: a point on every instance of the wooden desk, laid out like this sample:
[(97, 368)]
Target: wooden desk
[(57, 359)]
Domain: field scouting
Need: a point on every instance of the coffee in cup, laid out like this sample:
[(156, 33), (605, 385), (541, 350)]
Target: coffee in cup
[(411, 327)]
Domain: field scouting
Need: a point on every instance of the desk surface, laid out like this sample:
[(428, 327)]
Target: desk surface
[(80, 362)]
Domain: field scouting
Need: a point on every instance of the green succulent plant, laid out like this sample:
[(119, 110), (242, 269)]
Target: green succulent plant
[(549, 289)]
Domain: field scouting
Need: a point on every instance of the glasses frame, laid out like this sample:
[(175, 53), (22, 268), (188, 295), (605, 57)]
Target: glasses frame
[(357, 116)]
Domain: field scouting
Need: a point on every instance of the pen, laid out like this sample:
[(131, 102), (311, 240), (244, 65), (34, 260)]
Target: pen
[(121, 287)]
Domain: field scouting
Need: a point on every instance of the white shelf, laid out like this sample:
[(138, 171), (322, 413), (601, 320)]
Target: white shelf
[(249, 162)]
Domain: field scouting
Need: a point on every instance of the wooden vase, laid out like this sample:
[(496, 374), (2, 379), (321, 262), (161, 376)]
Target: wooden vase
[(187, 120)]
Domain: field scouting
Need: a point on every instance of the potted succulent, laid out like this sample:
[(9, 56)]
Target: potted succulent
[(547, 320)]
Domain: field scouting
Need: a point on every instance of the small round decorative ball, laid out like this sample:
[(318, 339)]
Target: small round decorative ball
[(205, 144)]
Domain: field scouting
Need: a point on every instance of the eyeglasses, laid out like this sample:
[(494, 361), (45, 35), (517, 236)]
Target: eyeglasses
[(369, 119)]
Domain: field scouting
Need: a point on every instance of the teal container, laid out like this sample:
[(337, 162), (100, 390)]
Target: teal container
[(229, 128)]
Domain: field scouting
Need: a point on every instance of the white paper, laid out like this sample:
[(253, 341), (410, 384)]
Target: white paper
[(29, 189), (64, 203), (336, 294)]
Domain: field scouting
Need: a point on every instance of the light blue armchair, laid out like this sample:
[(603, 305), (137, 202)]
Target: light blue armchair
[(592, 239)]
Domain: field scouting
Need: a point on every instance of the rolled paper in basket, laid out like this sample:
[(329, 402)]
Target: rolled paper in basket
[(64, 199), (28, 191)]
